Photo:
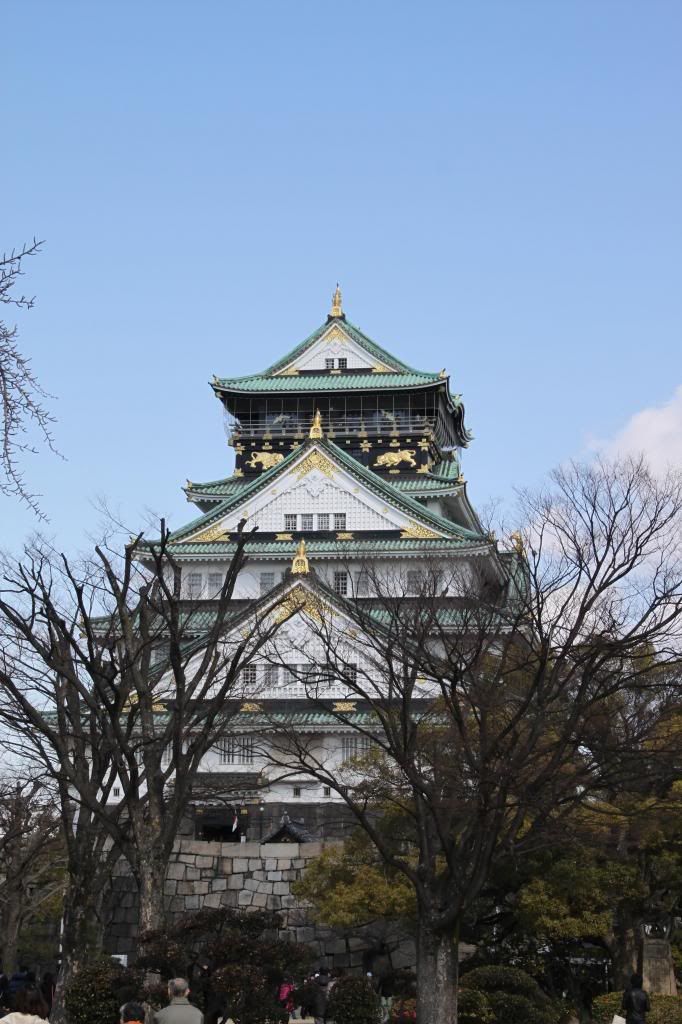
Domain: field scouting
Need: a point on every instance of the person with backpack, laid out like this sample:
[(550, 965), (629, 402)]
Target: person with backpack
[(635, 1003)]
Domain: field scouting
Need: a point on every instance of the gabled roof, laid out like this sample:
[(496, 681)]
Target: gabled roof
[(355, 334), (344, 460), (445, 480), (390, 372)]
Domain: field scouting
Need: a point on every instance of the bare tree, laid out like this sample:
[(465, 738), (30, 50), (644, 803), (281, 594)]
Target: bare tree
[(484, 717), (21, 394), (120, 684), (31, 858)]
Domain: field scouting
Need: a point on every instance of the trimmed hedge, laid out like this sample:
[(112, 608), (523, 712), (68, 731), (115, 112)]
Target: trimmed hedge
[(513, 996), (353, 1001), (473, 1007), (664, 1009)]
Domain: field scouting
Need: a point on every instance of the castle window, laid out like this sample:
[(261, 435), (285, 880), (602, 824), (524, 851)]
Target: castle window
[(341, 583), (116, 791), (306, 521), (236, 750), (343, 364), (415, 581), (327, 790), (266, 581), (249, 675), (297, 790), (354, 746), (362, 583), (339, 520), (290, 522), (194, 585), (323, 521), (215, 583), (351, 673), (329, 364), (270, 675)]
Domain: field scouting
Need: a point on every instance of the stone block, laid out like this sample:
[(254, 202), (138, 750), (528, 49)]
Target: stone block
[(258, 875), (274, 876), (245, 898), (235, 882), (298, 862), (281, 888), (192, 873), (170, 887), (265, 887), (272, 902), (185, 888), (255, 863), (275, 849), (204, 862), (305, 934), (202, 888), (249, 850), (288, 900), (260, 899), (219, 884), (226, 865), (192, 902), (240, 864), (175, 871), (251, 884), (208, 873), (228, 899), (336, 947), (212, 900), (290, 876)]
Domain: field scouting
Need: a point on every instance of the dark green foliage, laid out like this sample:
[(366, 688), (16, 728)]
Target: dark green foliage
[(231, 958), (474, 1008), (353, 1001), (98, 990), (513, 996), (664, 1009)]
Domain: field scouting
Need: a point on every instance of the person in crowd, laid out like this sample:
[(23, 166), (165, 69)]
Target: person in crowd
[(132, 1013), (635, 1003), (47, 987), (179, 1010), (19, 981), (319, 993), (4, 989), (29, 1007)]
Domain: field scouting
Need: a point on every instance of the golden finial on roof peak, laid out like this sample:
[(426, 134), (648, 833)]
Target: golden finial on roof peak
[(336, 310), (299, 565), (316, 426)]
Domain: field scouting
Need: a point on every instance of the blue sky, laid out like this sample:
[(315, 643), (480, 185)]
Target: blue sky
[(496, 185)]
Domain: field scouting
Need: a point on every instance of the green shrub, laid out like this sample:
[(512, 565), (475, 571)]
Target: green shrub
[(664, 1009), (501, 979), (353, 1001), (473, 1007), (97, 991), (513, 996)]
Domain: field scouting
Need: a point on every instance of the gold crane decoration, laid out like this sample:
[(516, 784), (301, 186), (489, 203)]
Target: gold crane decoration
[(316, 427), (336, 310), (299, 565)]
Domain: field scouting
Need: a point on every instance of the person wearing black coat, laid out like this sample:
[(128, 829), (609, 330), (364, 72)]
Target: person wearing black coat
[(319, 990), (636, 1003)]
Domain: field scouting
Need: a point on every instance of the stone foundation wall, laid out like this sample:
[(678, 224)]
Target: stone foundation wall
[(246, 876)]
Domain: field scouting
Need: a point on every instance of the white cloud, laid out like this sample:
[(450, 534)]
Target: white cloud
[(657, 432)]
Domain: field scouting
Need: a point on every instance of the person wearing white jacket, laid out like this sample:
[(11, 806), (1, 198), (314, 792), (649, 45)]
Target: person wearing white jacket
[(29, 1007)]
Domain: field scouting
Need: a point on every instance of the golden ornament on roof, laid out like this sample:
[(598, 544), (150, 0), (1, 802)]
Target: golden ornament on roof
[(316, 428), (336, 310), (299, 565)]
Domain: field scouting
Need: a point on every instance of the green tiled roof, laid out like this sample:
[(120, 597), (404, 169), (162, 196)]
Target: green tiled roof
[(374, 482), (354, 333), (326, 382), (338, 548)]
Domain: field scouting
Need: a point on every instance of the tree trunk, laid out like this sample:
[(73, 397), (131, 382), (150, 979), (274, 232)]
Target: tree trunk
[(437, 973), (151, 878), (12, 921), (81, 936)]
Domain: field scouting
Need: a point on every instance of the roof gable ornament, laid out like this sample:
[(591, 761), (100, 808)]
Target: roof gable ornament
[(316, 427), (299, 565), (336, 312)]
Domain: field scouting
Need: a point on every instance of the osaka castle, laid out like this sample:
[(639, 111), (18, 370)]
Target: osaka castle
[(349, 464)]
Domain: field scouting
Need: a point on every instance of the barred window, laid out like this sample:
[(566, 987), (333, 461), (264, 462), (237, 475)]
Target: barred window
[(270, 675), (362, 583), (354, 746), (306, 521), (341, 583), (297, 790), (266, 581), (249, 675), (343, 364), (215, 583), (323, 520), (415, 581), (194, 585), (329, 364), (351, 672), (236, 749), (290, 522), (339, 520)]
